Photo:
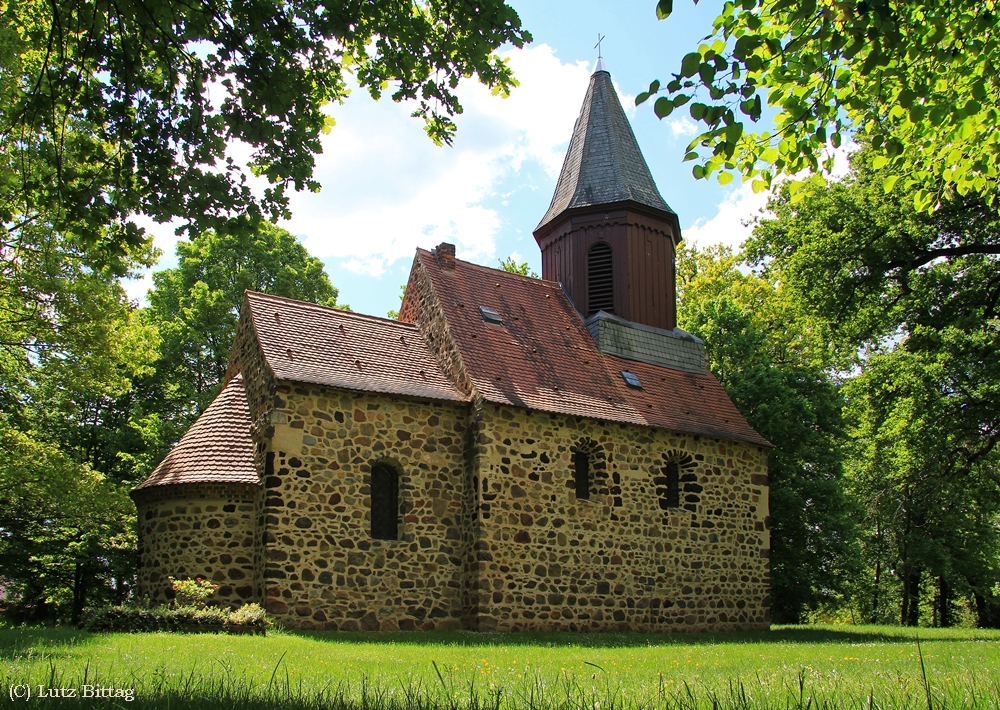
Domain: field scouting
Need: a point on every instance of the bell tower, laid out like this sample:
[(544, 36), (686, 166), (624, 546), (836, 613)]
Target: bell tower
[(608, 235)]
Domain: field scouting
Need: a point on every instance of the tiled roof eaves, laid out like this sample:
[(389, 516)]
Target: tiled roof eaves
[(432, 395), (690, 402)]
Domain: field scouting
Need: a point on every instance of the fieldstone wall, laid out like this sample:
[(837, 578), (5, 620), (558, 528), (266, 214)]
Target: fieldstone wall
[(198, 530), (621, 560), (324, 569)]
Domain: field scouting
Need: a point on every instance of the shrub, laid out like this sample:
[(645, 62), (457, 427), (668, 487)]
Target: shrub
[(128, 619), (192, 592), (250, 615)]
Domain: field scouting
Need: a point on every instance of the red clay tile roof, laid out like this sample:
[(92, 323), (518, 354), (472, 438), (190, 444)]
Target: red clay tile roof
[(303, 342), (543, 358), (216, 449), (684, 401)]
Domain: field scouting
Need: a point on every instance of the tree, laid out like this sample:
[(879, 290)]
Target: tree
[(112, 109), (67, 533), (872, 272), (926, 516), (909, 303), (512, 267), (195, 308), (915, 78), (766, 357)]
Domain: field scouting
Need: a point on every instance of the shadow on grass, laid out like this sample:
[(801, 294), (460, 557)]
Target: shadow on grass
[(778, 634), (26, 642), (22, 642)]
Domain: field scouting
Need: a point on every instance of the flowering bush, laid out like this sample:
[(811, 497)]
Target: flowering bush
[(192, 592)]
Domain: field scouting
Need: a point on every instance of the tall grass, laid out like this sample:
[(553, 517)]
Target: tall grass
[(881, 669)]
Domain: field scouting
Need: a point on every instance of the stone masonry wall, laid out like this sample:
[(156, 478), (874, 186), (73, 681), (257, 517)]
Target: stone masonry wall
[(618, 561), (324, 569), (198, 530)]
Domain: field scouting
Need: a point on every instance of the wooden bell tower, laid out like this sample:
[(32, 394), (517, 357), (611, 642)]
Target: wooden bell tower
[(608, 235)]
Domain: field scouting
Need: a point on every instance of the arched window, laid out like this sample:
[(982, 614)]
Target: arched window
[(581, 475), (385, 502), (600, 280), (669, 487), (678, 467)]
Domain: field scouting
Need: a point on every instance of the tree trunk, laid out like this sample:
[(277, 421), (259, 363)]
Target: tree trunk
[(944, 603), (911, 598), (79, 592), (878, 580)]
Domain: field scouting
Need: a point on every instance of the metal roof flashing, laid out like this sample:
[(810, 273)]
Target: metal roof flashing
[(676, 349)]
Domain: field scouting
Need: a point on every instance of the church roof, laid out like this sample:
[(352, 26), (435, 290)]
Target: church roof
[(543, 358), (304, 342), (684, 401), (603, 164), (216, 449)]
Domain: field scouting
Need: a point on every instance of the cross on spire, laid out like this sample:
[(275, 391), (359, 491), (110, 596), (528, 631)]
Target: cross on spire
[(600, 38)]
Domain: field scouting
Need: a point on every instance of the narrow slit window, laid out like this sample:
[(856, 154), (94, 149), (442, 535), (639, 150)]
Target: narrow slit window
[(672, 474), (491, 315), (385, 503), (600, 280), (581, 475)]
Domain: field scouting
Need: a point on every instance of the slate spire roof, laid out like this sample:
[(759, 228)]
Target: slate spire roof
[(603, 164)]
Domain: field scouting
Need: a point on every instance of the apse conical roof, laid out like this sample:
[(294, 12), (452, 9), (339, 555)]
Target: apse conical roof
[(218, 448), (603, 164)]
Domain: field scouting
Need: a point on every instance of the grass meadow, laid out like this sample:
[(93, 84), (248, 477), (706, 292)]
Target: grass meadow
[(789, 667)]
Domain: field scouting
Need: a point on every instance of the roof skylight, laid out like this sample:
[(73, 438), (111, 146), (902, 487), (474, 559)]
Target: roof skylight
[(631, 379), (491, 315)]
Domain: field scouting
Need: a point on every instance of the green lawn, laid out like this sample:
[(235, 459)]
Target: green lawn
[(864, 667)]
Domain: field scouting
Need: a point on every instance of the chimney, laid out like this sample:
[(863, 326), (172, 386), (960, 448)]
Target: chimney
[(445, 255)]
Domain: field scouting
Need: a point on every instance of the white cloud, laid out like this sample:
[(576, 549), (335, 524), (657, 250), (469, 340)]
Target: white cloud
[(731, 225), (387, 189), (683, 126), (733, 222)]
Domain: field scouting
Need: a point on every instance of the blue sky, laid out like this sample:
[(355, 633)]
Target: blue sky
[(387, 189)]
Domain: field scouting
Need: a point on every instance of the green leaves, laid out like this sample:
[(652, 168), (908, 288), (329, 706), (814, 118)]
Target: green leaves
[(654, 87), (690, 65), (663, 107), (113, 118), (664, 8), (920, 79)]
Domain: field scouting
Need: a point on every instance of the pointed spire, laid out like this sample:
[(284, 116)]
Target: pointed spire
[(603, 164)]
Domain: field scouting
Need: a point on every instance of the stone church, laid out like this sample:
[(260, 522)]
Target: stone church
[(511, 454)]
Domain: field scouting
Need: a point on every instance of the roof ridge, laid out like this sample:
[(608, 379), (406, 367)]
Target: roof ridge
[(506, 274), (349, 314)]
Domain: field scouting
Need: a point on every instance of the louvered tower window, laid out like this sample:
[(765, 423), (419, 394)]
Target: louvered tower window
[(581, 475), (600, 280), (385, 502)]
